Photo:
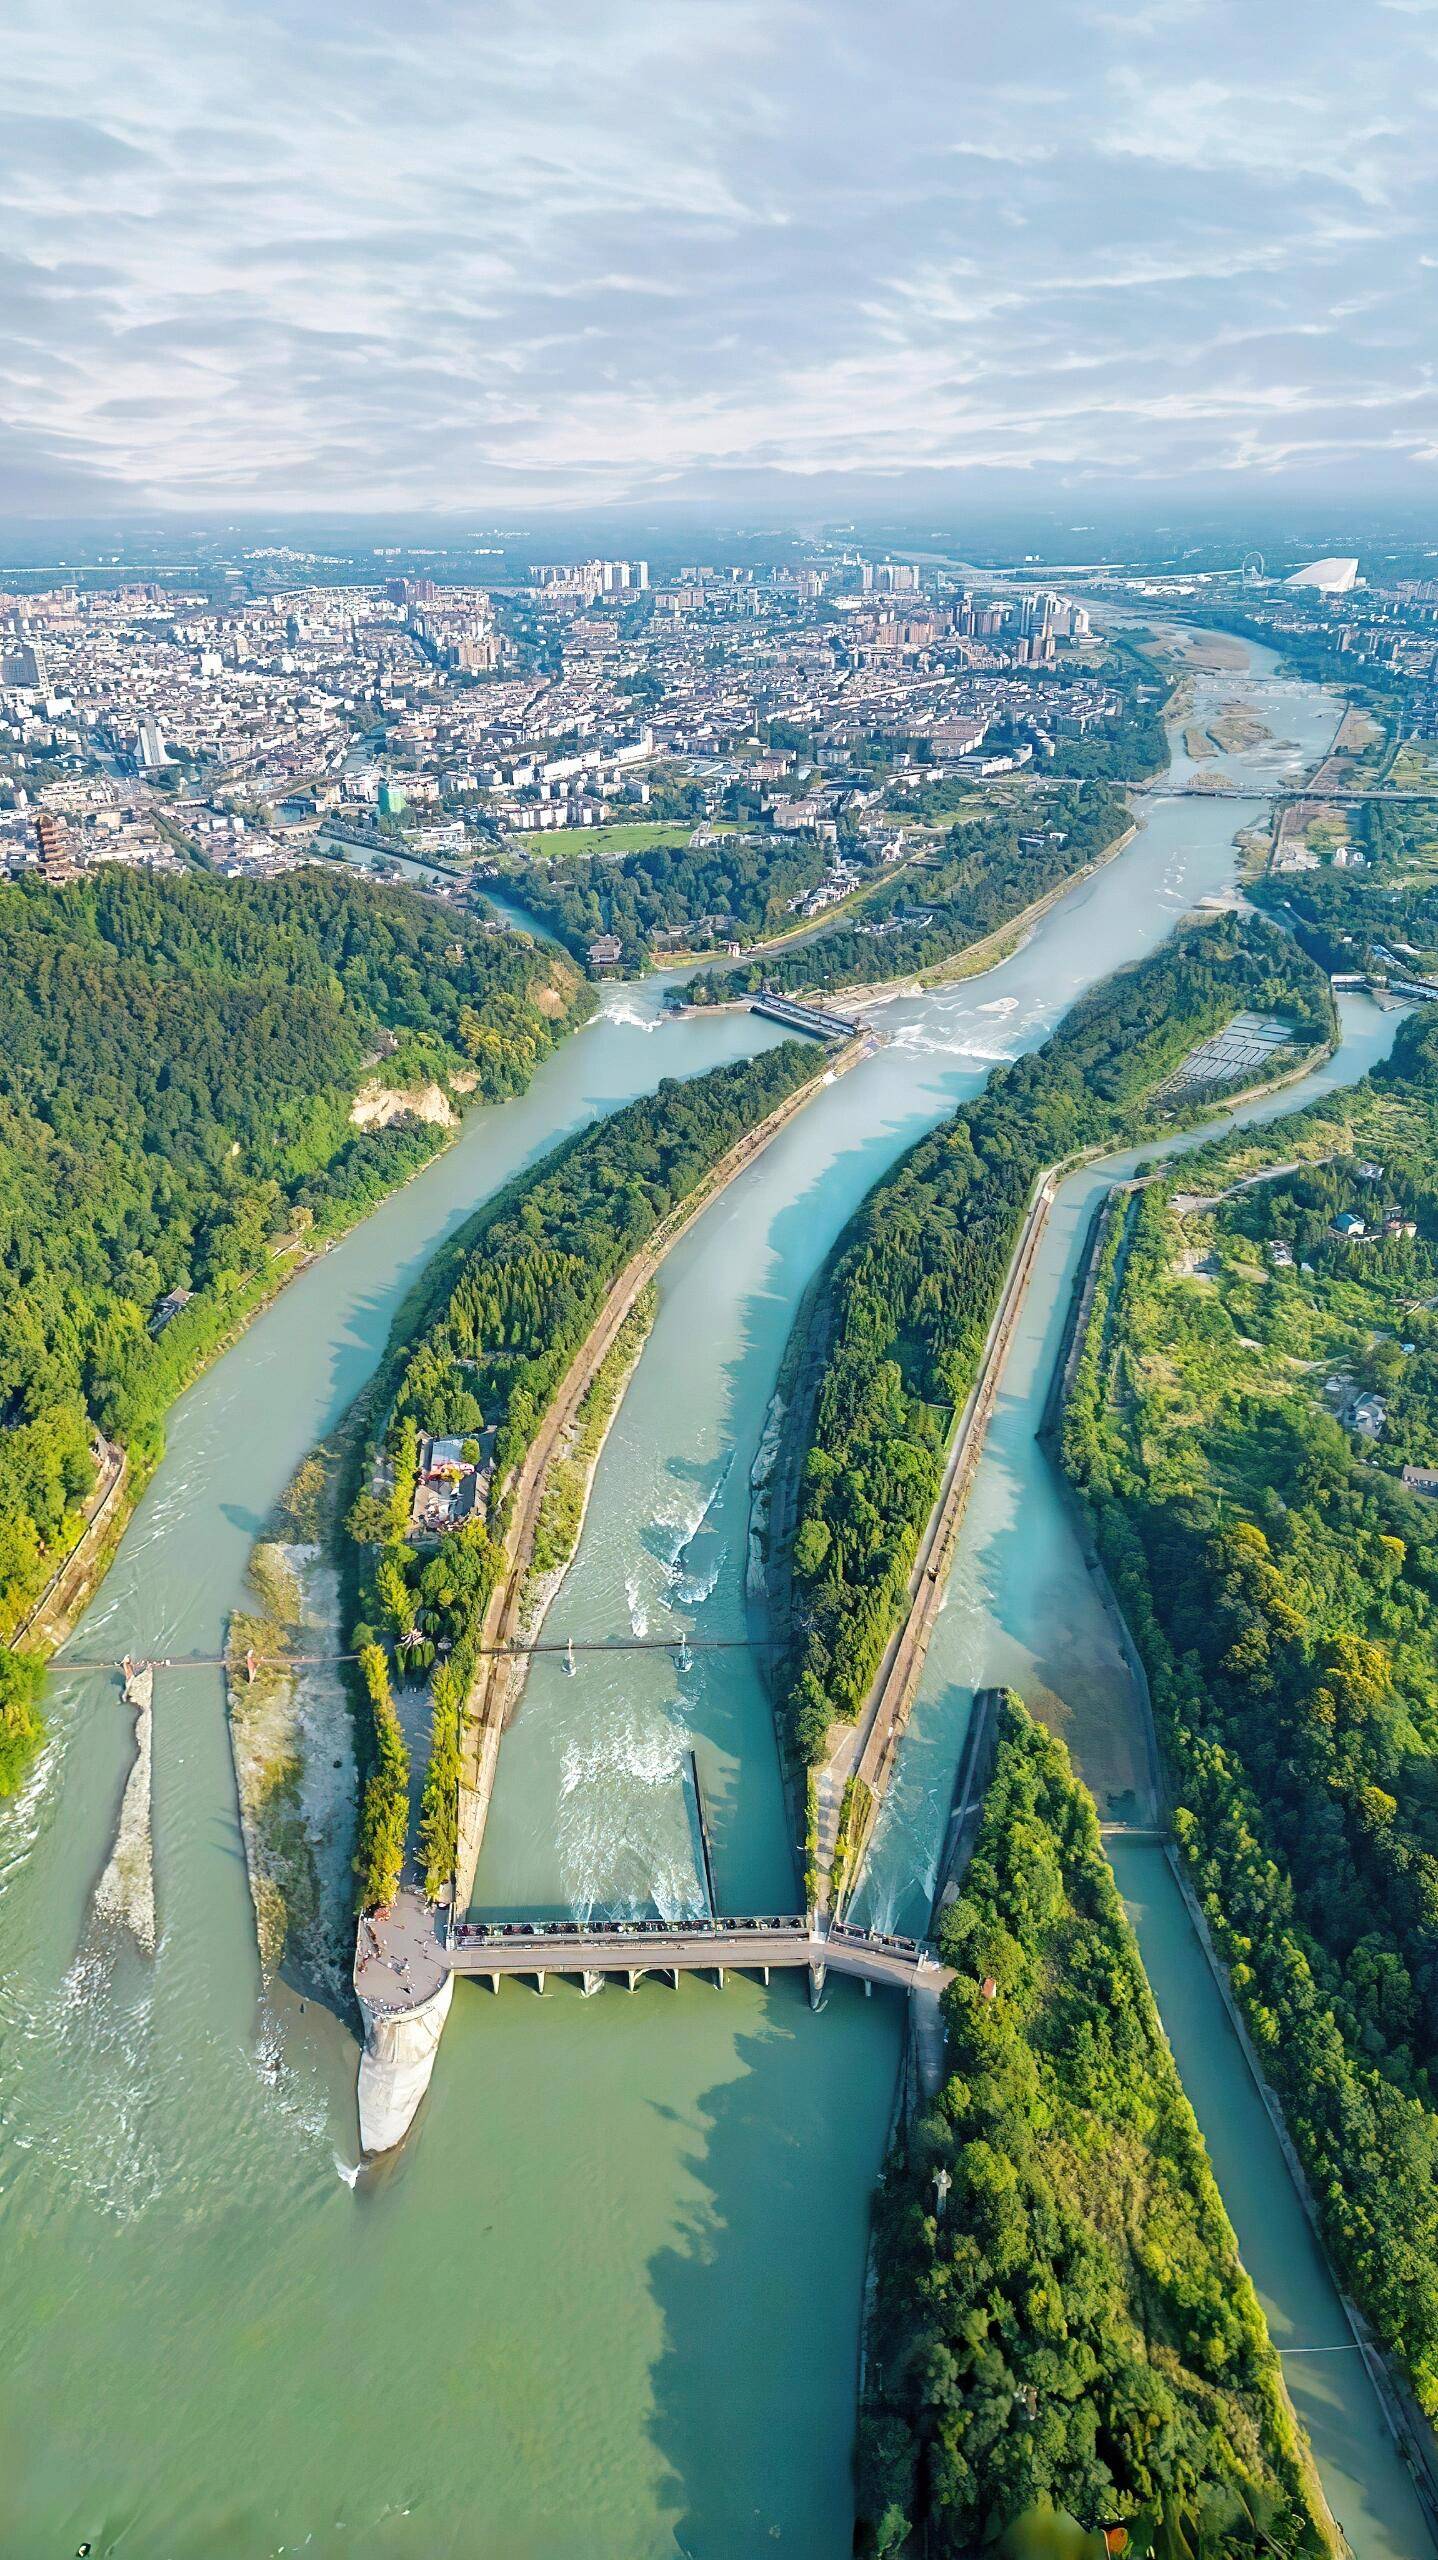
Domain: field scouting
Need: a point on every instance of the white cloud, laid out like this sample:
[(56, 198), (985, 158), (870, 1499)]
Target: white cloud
[(303, 253)]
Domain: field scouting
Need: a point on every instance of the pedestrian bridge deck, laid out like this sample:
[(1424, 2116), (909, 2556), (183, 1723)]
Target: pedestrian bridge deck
[(717, 1946)]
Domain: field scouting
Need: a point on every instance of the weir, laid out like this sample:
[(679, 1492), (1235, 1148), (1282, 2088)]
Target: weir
[(494, 1949)]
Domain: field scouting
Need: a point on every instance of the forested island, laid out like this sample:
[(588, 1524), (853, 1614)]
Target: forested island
[(179, 1064), (997, 860), (1254, 1428), (1060, 2316), (913, 1283), (472, 1372)]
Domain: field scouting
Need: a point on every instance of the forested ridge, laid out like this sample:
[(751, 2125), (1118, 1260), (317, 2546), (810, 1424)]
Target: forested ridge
[(916, 1277), (1061, 2314), (478, 1357), (178, 1058), (1282, 1583), (993, 863)]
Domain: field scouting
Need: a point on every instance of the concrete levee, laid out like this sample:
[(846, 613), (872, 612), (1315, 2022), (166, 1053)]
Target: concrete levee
[(395, 2067)]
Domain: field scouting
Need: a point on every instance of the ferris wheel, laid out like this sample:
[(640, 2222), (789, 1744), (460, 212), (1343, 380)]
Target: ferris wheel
[(1253, 569)]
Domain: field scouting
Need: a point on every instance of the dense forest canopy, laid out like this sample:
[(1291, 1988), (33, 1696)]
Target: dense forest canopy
[(1282, 1581), (998, 858), (178, 1060), (915, 1280), (1061, 2312), (738, 888)]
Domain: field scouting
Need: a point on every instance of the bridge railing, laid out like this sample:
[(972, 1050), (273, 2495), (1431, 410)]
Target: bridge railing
[(559, 1933), (556, 1932)]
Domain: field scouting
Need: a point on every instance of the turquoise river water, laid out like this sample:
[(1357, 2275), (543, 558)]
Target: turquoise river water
[(605, 2303)]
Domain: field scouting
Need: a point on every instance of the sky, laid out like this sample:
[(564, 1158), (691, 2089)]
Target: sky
[(380, 254)]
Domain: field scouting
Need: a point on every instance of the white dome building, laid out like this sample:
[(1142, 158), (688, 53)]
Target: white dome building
[(1331, 577)]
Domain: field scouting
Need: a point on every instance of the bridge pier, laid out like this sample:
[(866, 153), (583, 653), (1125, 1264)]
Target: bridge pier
[(631, 1979), (539, 1982), (590, 1983), (719, 1977), (818, 1975)]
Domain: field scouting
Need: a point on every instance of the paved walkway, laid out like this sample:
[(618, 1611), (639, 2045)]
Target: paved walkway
[(732, 1945), (400, 1957)]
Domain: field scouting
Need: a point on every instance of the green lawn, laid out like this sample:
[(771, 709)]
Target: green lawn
[(635, 838)]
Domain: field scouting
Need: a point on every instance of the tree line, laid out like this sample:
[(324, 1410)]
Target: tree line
[(1282, 1585), (1061, 2317), (915, 1279), (744, 889), (998, 859), (491, 1334)]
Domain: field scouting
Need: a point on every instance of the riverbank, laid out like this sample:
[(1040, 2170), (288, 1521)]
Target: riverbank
[(500, 1683), (863, 1755), (1197, 1857), (911, 1282), (78, 1578), (403, 2020), (600, 2191)]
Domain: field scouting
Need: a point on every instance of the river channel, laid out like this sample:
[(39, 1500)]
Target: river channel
[(604, 2305)]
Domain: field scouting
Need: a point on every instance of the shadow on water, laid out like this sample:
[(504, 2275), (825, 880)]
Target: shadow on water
[(760, 2289), (251, 1524)]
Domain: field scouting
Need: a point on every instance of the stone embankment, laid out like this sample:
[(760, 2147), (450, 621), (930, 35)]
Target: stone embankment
[(50, 1618)]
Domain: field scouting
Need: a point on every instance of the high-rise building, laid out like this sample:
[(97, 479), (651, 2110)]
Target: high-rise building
[(150, 747), (26, 664)]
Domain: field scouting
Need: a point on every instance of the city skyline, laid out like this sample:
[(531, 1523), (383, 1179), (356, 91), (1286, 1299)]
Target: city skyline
[(711, 254)]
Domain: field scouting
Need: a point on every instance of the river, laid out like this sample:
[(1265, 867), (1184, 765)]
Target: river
[(605, 2303)]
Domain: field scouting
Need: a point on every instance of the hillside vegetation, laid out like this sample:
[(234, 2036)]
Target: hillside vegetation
[(748, 888), (999, 858), (178, 1062)]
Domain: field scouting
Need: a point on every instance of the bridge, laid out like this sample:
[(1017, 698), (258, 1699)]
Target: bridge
[(392, 1978), (1149, 789), (795, 1016), (251, 1662)]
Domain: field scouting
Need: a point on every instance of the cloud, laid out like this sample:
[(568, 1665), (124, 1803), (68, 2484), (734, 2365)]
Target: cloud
[(304, 254)]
